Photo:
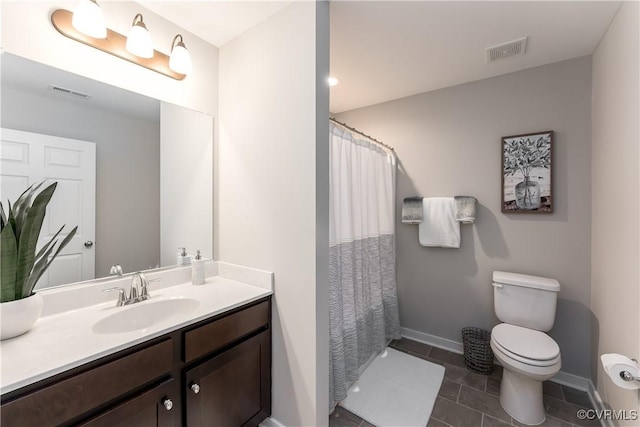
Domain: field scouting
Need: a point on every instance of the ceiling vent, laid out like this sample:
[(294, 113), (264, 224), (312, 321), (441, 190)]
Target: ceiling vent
[(69, 92), (512, 48)]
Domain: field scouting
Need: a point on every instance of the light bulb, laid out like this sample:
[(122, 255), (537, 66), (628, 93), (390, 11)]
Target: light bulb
[(332, 81), (139, 39), (180, 60), (88, 19)]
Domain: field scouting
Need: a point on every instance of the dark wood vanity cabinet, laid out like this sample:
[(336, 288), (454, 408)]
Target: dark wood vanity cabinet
[(88, 389), (231, 389), (216, 372)]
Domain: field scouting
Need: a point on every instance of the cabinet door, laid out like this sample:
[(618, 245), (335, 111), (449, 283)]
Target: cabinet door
[(157, 407), (232, 389)]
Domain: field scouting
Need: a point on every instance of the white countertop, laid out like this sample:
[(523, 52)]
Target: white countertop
[(63, 341)]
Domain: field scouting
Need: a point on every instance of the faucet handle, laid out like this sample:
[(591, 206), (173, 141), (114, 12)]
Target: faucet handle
[(144, 293), (121, 295)]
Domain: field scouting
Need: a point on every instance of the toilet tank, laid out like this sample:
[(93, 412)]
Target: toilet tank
[(523, 300)]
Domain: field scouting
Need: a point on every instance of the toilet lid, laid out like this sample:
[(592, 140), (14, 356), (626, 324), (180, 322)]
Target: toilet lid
[(526, 343)]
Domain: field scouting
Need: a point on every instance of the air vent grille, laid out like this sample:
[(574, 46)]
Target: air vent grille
[(69, 92), (504, 50)]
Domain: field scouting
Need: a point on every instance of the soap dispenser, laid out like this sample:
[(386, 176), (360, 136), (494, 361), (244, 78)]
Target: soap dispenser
[(183, 258), (197, 270)]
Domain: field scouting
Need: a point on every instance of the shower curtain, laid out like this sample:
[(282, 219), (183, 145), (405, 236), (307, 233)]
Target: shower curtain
[(363, 305)]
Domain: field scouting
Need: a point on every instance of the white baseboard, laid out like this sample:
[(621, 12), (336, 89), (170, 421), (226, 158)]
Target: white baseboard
[(432, 340), (571, 380), (271, 422), (598, 404), (563, 378)]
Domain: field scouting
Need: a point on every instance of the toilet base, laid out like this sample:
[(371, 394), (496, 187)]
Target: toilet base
[(521, 397)]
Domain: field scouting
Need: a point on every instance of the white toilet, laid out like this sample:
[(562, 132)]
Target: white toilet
[(527, 306)]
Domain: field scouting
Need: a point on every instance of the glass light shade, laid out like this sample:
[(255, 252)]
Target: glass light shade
[(139, 41), (88, 19), (180, 60)]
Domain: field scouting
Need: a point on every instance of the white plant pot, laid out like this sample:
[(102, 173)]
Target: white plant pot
[(19, 316)]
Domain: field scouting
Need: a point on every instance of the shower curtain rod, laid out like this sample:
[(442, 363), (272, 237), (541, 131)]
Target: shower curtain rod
[(388, 147)]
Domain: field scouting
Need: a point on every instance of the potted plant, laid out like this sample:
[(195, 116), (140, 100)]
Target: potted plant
[(21, 265), (524, 155)]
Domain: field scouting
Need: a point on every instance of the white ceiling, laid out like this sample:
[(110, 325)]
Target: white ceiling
[(384, 50), (388, 50), (216, 21)]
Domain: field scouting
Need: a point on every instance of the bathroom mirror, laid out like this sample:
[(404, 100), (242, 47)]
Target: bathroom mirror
[(142, 203)]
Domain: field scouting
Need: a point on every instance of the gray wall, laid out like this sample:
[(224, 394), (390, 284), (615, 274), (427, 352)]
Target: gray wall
[(448, 143), (127, 172)]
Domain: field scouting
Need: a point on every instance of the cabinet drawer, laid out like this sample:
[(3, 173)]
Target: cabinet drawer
[(63, 401), (157, 407), (210, 337)]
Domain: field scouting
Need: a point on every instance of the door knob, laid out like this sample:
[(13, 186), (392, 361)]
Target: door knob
[(168, 403), (88, 244), (195, 387)]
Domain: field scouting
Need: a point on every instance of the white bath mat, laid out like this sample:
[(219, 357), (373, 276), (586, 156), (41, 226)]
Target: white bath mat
[(396, 390)]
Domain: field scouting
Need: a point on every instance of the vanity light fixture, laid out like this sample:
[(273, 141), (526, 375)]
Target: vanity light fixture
[(118, 45), (180, 60), (88, 19), (139, 41), (332, 81)]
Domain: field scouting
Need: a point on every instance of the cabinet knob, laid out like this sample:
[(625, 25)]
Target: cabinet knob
[(88, 244), (195, 387), (168, 403)]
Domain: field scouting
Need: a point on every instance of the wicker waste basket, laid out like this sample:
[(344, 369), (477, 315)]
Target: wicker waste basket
[(478, 356)]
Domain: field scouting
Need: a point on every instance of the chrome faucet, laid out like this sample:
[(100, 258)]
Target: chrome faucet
[(137, 292), (116, 269)]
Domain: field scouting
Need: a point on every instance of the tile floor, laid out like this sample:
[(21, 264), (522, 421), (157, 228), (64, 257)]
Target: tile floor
[(466, 399)]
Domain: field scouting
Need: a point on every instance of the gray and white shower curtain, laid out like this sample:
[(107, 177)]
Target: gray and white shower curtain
[(363, 304)]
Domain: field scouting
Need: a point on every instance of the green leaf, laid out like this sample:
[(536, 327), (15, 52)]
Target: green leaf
[(38, 270), (21, 207), (3, 217), (8, 258), (20, 266), (29, 235), (11, 218), (44, 248), (44, 262)]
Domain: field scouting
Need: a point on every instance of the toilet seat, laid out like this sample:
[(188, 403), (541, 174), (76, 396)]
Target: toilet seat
[(526, 345)]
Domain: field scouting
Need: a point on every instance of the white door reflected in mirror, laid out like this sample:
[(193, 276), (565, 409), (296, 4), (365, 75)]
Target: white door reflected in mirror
[(29, 158)]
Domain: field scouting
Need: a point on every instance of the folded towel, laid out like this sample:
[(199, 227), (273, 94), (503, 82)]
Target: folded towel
[(465, 209), (412, 210), (439, 226)]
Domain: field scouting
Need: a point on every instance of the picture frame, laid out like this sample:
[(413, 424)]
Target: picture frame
[(527, 173)]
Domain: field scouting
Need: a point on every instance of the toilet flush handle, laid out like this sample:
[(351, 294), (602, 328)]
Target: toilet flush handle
[(497, 285)]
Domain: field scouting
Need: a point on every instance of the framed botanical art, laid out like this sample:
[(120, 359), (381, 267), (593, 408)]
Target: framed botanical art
[(527, 180)]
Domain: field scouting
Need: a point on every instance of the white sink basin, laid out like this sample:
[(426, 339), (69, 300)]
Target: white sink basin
[(144, 315)]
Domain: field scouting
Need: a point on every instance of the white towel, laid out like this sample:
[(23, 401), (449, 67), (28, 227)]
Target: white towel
[(439, 226)]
